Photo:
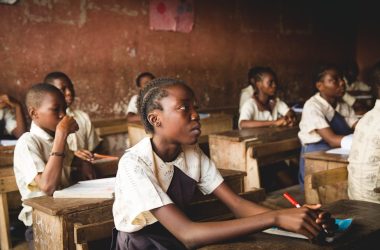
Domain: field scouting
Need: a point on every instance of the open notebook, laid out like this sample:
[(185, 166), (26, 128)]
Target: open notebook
[(343, 226), (98, 188)]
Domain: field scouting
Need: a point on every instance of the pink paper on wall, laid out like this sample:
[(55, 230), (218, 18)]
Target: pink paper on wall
[(172, 15)]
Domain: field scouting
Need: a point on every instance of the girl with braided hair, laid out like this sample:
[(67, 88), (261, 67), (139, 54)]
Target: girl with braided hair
[(157, 177)]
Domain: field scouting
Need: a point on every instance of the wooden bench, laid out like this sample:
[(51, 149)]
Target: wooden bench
[(83, 234), (323, 183), (316, 162), (248, 149)]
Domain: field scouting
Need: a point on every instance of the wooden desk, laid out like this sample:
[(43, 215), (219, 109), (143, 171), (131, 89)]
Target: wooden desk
[(7, 184), (318, 161), (247, 149), (364, 233), (54, 219), (213, 124)]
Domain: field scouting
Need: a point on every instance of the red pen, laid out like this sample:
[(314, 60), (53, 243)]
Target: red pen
[(291, 200)]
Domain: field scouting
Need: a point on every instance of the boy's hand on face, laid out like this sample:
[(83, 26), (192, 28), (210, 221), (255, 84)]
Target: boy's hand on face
[(84, 155), (67, 125)]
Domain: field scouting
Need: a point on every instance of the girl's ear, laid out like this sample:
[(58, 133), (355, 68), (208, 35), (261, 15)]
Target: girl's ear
[(154, 119), (319, 86), (32, 111)]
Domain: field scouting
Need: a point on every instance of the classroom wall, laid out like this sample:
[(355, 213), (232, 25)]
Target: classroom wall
[(102, 45), (368, 38)]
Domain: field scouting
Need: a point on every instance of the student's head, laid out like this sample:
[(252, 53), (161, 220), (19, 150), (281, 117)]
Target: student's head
[(351, 72), (63, 83), (252, 74), (168, 109), (143, 78), (374, 79), (329, 81), (46, 105), (265, 81)]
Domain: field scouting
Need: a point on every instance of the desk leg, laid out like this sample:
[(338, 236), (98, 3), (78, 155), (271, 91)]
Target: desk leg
[(4, 223), (252, 180)]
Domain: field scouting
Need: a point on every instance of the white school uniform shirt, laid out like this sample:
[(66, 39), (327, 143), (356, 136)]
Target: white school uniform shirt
[(316, 114), (85, 137), (250, 111), (132, 105), (31, 155), (143, 179), (245, 94), (364, 159), (7, 121)]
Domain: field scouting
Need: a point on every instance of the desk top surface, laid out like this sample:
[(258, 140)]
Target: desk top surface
[(262, 134), (322, 155), (364, 231), (60, 206)]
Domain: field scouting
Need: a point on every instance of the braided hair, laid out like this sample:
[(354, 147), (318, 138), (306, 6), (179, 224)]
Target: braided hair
[(150, 96), (258, 73)]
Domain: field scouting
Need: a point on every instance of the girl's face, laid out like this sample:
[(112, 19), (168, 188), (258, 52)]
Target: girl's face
[(50, 112), (66, 88), (331, 84), (267, 85), (179, 120)]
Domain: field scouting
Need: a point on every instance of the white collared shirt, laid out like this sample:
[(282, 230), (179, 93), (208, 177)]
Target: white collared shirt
[(30, 158), (250, 111), (132, 105), (364, 160), (7, 121), (143, 179), (316, 114), (85, 137), (245, 94)]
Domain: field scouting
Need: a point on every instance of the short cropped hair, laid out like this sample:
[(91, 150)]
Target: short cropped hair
[(141, 75), (150, 96), (36, 93), (321, 71)]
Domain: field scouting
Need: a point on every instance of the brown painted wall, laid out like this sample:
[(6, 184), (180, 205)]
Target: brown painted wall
[(102, 45), (368, 38)]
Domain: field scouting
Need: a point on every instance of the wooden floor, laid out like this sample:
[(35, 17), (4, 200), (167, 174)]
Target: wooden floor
[(274, 200)]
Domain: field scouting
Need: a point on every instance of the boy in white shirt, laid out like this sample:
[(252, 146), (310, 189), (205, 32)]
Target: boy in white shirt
[(42, 158)]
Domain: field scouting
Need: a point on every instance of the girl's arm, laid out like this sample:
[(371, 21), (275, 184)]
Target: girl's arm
[(256, 124), (196, 234), (49, 179), (330, 137)]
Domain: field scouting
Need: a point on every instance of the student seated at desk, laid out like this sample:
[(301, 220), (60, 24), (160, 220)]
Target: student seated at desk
[(157, 178), (264, 109), (42, 158), (364, 162), (141, 80), (326, 119), (356, 89), (12, 120), (247, 92), (85, 141)]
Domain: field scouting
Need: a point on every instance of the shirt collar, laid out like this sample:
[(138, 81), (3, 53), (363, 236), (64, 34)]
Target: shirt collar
[(36, 130), (69, 111), (377, 104), (326, 103)]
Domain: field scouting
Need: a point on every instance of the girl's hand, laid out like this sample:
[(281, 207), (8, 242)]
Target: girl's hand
[(324, 219), (280, 122), (84, 155), (300, 220)]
